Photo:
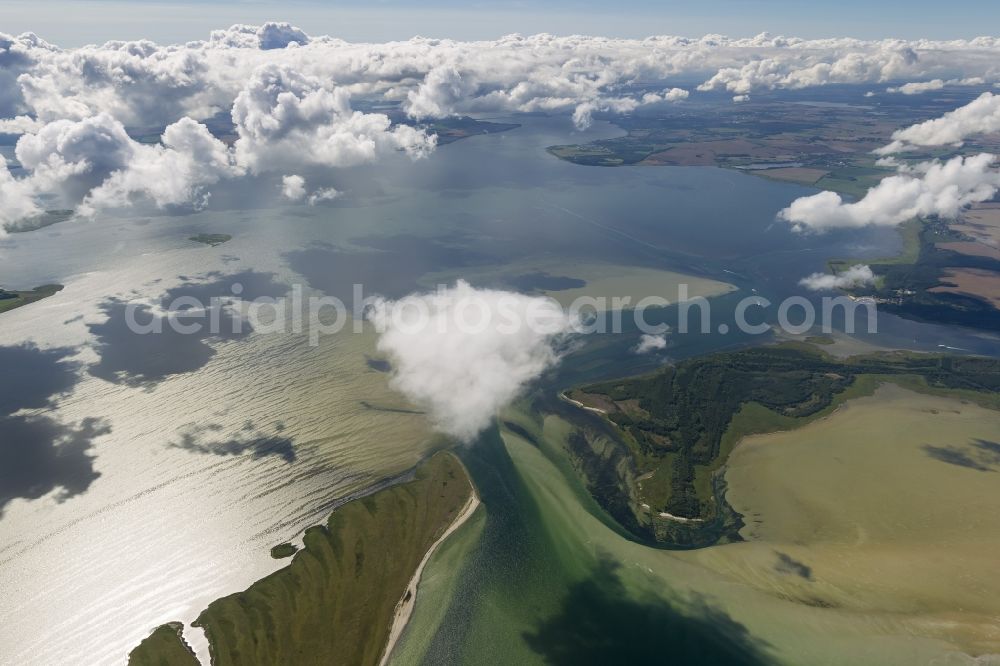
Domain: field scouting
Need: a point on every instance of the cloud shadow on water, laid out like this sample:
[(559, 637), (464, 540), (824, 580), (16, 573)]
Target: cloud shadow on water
[(137, 358), (982, 455), (789, 565), (389, 266), (600, 624), (378, 364), (39, 455), (542, 281), (208, 439), (30, 377), (989, 452)]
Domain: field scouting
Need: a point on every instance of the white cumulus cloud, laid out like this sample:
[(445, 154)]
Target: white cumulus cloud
[(920, 87), (928, 188), (917, 87), (285, 118), (980, 116), (856, 276), (271, 35), (463, 353), (650, 343), (298, 100), (175, 172), (441, 92), (293, 187), (323, 194), (93, 163), (668, 95), (143, 82), (16, 197)]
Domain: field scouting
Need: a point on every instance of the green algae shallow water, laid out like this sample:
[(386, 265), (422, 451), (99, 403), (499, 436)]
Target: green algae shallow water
[(543, 577)]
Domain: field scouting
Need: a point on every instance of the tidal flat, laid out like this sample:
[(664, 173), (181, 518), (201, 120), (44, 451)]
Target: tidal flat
[(887, 509), (547, 568), (592, 281)]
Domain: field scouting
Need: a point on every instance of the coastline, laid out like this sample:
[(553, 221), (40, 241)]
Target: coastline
[(11, 300), (338, 598), (404, 607), (596, 410)]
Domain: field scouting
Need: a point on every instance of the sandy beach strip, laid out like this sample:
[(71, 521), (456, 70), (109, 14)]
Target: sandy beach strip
[(404, 608)]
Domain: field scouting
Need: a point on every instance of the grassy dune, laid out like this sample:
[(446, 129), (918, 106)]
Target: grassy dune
[(163, 647), (335, 602), (15, 299)]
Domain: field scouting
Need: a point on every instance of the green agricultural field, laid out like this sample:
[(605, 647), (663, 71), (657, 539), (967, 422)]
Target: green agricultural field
[(854, 180), (906, 282)]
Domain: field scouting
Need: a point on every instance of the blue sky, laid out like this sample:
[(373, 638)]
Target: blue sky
[(75, 22)]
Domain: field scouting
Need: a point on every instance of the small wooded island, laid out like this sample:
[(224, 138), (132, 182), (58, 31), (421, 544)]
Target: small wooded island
[(211, 239), (15, 299)]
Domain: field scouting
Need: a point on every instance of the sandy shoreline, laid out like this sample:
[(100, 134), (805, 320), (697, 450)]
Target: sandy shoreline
[(579, 404), (404, 608)]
